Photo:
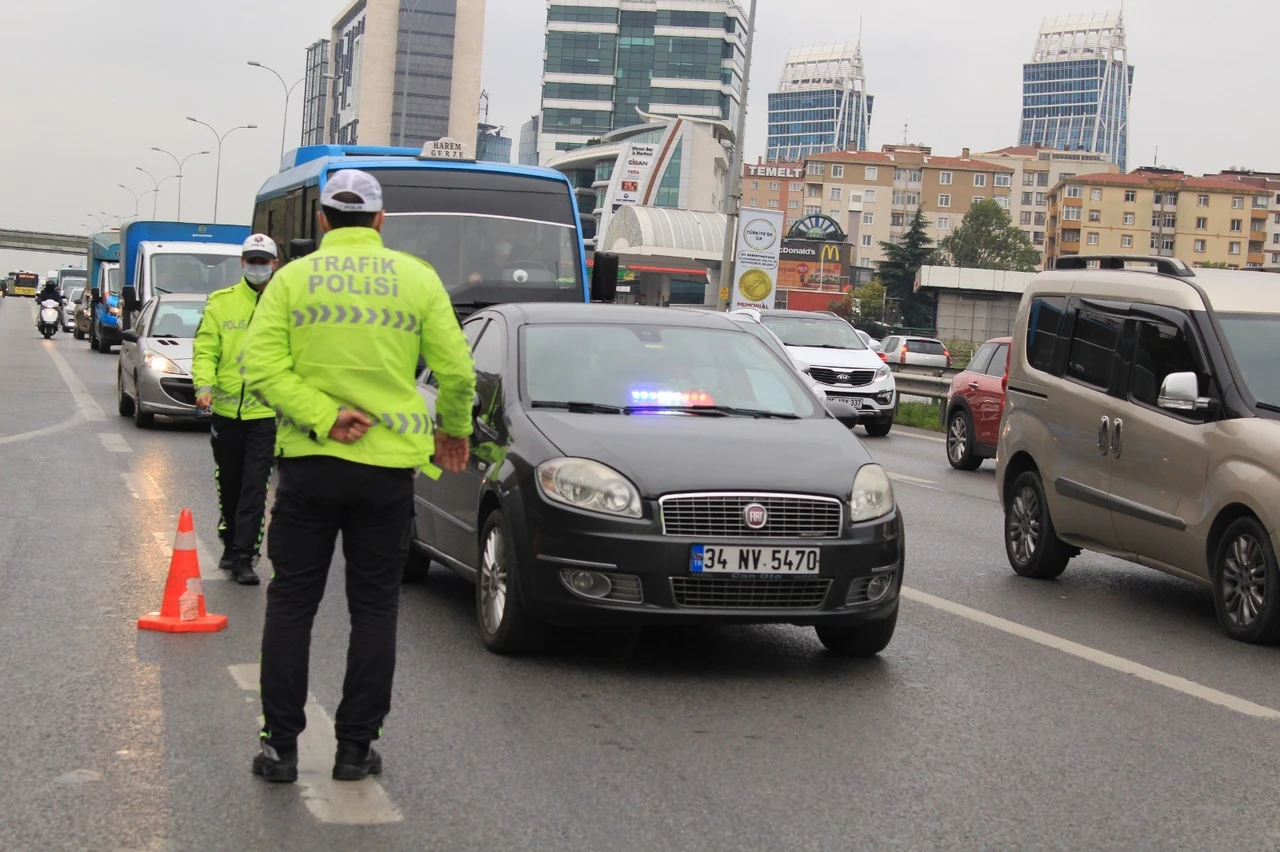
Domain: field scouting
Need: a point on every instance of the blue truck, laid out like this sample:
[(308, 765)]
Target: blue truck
[(102, 266), (176, 257)]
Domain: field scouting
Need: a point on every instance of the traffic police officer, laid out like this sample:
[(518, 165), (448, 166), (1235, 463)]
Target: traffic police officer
[(334, 349), (243, 430)]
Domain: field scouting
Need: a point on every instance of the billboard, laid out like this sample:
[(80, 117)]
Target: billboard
[(814, 265), (631, 171), (755, 270)]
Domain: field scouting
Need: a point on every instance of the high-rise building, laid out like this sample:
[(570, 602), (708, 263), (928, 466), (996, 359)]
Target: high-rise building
[(491, 145), (609, 60), (821, 104), (315, 94), (529, 142), (407, 72), (1075, 89)]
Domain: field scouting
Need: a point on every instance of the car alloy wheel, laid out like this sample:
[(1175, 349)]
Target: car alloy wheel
[(1024, 524), (1244, 580), (1032, 545), (493, 580), (960, 452)]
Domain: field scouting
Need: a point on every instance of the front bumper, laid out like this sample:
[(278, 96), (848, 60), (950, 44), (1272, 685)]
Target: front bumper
[(643, 562), (168, 394), (874, 402)]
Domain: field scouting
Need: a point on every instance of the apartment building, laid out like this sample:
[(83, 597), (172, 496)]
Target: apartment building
[(874, 195), (1036, 171), (1270, 182), (774, 186), (1154, 211)]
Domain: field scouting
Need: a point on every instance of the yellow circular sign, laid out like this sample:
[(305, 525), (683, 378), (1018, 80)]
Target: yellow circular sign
[(755, 285)]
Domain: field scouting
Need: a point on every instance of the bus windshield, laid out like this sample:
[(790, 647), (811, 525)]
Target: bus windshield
[(193, 273), (490, 259)]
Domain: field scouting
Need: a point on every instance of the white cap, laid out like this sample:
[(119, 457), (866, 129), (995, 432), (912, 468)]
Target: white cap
[(360, 184), (259, 245)]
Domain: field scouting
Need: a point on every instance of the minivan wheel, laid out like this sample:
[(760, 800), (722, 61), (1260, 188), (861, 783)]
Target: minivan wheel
[(504, 625), (960, 442), (1246, 584), (1033, 547)]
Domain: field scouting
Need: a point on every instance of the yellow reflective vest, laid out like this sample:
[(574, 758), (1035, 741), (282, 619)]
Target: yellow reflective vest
[(215, 369), (344, 327)]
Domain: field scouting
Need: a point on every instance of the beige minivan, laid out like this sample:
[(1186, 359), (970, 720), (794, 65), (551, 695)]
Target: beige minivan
[(1142, 420)]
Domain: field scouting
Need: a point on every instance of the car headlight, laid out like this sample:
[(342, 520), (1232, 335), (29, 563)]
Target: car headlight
[(882, 373), (160, 364), (588, 485), (872, 494)]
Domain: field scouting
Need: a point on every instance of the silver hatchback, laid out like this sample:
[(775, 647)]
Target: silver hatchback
[(916, 351), (154, 376)]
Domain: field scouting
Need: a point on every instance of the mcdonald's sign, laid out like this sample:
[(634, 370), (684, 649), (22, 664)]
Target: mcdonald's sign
[(813, 265), (830, 253)]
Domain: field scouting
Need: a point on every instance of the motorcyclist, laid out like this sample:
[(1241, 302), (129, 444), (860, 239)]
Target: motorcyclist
[(48, 291)]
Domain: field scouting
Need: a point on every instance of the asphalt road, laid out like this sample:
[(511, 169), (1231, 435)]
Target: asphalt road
[(1104, 710)]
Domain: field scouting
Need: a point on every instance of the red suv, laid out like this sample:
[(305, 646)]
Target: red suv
[(974, 405)]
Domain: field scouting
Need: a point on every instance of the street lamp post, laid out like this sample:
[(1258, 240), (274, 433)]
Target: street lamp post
[(217, 180), (288, 93), (155, 187), (136, 198), (181, 163), (102, 225), (735, 176), (408, 48)]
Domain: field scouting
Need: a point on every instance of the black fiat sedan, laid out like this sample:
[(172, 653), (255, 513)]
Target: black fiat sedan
[(642, 465)]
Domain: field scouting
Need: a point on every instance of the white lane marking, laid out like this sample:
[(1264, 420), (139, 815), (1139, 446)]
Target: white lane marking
[(86, 403), (1093, 655), (114, 443), (901, 433), (342, 802), (928, 484), (142, 486), (70, 422)]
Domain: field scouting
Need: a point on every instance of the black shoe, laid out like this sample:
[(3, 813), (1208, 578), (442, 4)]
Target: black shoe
[(227, 562), (355, 762), (242, 572), (276, 767)]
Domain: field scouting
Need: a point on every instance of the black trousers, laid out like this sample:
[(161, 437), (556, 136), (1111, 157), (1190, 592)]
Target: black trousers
[(243, 452), (316, 498)]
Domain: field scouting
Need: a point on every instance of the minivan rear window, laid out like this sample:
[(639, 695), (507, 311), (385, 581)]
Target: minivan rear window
[(1044, 327), (926, 347)]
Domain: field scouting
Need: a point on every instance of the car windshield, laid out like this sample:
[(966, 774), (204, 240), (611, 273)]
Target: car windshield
[(177, 319), (491, 258), (74, 293), (1254, 340), (642, 367), (766, 337), (113, 279), (818, 331), (193, 273), (71, 279)]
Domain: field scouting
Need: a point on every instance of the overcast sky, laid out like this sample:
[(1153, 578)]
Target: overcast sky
[(92, 85)]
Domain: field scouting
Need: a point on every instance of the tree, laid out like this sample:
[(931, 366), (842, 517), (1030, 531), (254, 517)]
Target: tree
[(902, 260), (862, 306), (1214, 264), (987, 239)]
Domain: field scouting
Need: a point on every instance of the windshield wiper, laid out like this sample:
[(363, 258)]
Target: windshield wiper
[(580, 407), (162, 290), (821, 346), (161, 336), (1266, 406), (716, 410)]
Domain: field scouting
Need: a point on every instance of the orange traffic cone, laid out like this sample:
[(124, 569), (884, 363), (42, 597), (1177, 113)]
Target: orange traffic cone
[(182, 610)]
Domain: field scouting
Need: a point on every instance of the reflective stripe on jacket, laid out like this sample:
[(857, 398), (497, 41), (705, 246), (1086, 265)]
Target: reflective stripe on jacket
[(215, 368), (344, 327)]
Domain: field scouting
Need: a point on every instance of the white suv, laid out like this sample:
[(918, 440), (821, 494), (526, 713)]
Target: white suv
[(841, 364)]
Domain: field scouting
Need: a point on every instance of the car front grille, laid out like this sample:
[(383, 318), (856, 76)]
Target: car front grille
[(852, 378), (180, 390), (749, 592), (724, 516)]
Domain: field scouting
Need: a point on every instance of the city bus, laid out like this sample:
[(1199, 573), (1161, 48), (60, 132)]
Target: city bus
[(25, 284), (494, 232)]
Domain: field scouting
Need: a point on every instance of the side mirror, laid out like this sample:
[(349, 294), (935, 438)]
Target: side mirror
[(301, 248), (477, 405), (1181, 392), (130, 296), (130, 335), (844, 412), (604, 278)]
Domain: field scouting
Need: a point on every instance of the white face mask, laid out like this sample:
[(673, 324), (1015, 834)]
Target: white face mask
[(258, 274)]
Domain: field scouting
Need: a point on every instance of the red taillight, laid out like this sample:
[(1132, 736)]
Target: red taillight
[(902, 354), (947, 352), (884, 356)]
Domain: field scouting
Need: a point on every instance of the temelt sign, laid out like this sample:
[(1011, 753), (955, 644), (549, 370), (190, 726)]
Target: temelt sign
[(788, 172)]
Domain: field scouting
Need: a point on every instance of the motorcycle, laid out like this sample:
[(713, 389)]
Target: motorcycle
[(49, 319)]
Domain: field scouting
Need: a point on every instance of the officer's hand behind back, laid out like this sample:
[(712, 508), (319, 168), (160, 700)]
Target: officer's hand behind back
[(349, 427)]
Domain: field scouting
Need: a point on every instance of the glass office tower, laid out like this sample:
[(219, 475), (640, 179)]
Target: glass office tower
[(821, 104)]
